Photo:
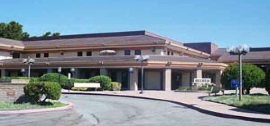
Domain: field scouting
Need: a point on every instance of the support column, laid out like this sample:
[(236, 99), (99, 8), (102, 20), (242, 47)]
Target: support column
[(3, 72), (218, 77), (186, 79), (167, 75), (198, 73), (103, 71), (133, 80)]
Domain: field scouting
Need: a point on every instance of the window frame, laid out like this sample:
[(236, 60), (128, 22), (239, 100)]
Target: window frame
[(138, 52), (127, 52)]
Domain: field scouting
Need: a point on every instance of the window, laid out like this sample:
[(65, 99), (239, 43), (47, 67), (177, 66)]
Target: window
[(16, 55), (127, 52), (89, 53), (168, 52), (37, 55), (138, 52), (171, 53), (46, 54), (79, 53)]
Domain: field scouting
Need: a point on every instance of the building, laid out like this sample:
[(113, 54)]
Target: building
[(171, 63)]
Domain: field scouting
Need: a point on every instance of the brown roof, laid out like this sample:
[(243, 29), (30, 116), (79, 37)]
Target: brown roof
[(255, 54), (11, 43), (97, 39)]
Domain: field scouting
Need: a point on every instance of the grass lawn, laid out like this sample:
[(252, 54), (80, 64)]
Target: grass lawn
[(4, 106), (260, 103)]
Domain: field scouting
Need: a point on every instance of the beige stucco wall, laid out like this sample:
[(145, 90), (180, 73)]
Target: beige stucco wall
[(96, 53), (5, 55)]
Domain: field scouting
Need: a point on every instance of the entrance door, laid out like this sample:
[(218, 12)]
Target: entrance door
[(125, 77), (176, 80)]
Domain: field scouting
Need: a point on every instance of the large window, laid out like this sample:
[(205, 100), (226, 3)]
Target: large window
[(127, 52), (79, 53), (138, 52), (15, 55), (89, 53), (46, 54), (37, 55)]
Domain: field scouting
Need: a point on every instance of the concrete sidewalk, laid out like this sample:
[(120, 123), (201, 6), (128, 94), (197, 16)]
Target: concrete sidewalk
[(188, 99)]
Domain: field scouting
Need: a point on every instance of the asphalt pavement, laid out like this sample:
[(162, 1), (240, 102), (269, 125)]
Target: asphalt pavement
[(123, 111)]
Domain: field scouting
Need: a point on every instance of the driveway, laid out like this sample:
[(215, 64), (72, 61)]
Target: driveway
[(55, 118), (122, 111)]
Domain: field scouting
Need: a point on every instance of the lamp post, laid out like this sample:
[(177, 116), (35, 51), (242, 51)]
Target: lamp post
[(29, 61), (240, 50), (141, 58), (59, 71)]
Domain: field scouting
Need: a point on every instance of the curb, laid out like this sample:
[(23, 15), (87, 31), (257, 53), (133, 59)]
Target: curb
[(67, 107), (223, 115)]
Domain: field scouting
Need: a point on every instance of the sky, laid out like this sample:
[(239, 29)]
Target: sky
[(224, 22)]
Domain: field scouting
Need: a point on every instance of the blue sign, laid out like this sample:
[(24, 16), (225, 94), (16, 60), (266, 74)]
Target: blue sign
[(235, 83)]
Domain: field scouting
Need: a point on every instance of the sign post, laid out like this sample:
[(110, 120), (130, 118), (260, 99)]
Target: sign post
[(235, 83)]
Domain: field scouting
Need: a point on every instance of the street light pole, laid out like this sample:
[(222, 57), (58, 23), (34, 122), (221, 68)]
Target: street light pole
[(142, 58), (141, 77), (59, 72), (29, 61), (240, 50)]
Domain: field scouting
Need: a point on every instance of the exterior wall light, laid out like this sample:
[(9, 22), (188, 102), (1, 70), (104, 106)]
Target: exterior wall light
[(130, 70), (240, 50)]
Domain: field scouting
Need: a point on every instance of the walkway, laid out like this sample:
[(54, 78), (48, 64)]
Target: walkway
[(191, 100)]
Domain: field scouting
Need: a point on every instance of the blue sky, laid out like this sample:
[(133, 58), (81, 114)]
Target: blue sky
[(224, 22)]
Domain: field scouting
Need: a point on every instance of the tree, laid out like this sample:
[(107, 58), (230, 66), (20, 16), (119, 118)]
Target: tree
[(267, 82), (56, 34), (253, 76), (12, 30), (47, 34)]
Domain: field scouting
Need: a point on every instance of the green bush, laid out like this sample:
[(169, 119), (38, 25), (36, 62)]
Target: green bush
[(204, 87), (267, 82), (116, 86), (76, 80), (54, 77), (34, 79), (253, 76), (105, 81), (40, 91)]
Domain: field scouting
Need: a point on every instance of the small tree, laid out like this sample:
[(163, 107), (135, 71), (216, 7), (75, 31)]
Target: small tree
[(253, 76), (41, 91), (267, 82), (105, 81)]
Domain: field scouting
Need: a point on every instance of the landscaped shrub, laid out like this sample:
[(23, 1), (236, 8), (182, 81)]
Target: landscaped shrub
[(267, 82), (76, 80), (204, 87), (54, 77), (253, 76), (105, 81), (34, 79), (40, 91), (116, 86)]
